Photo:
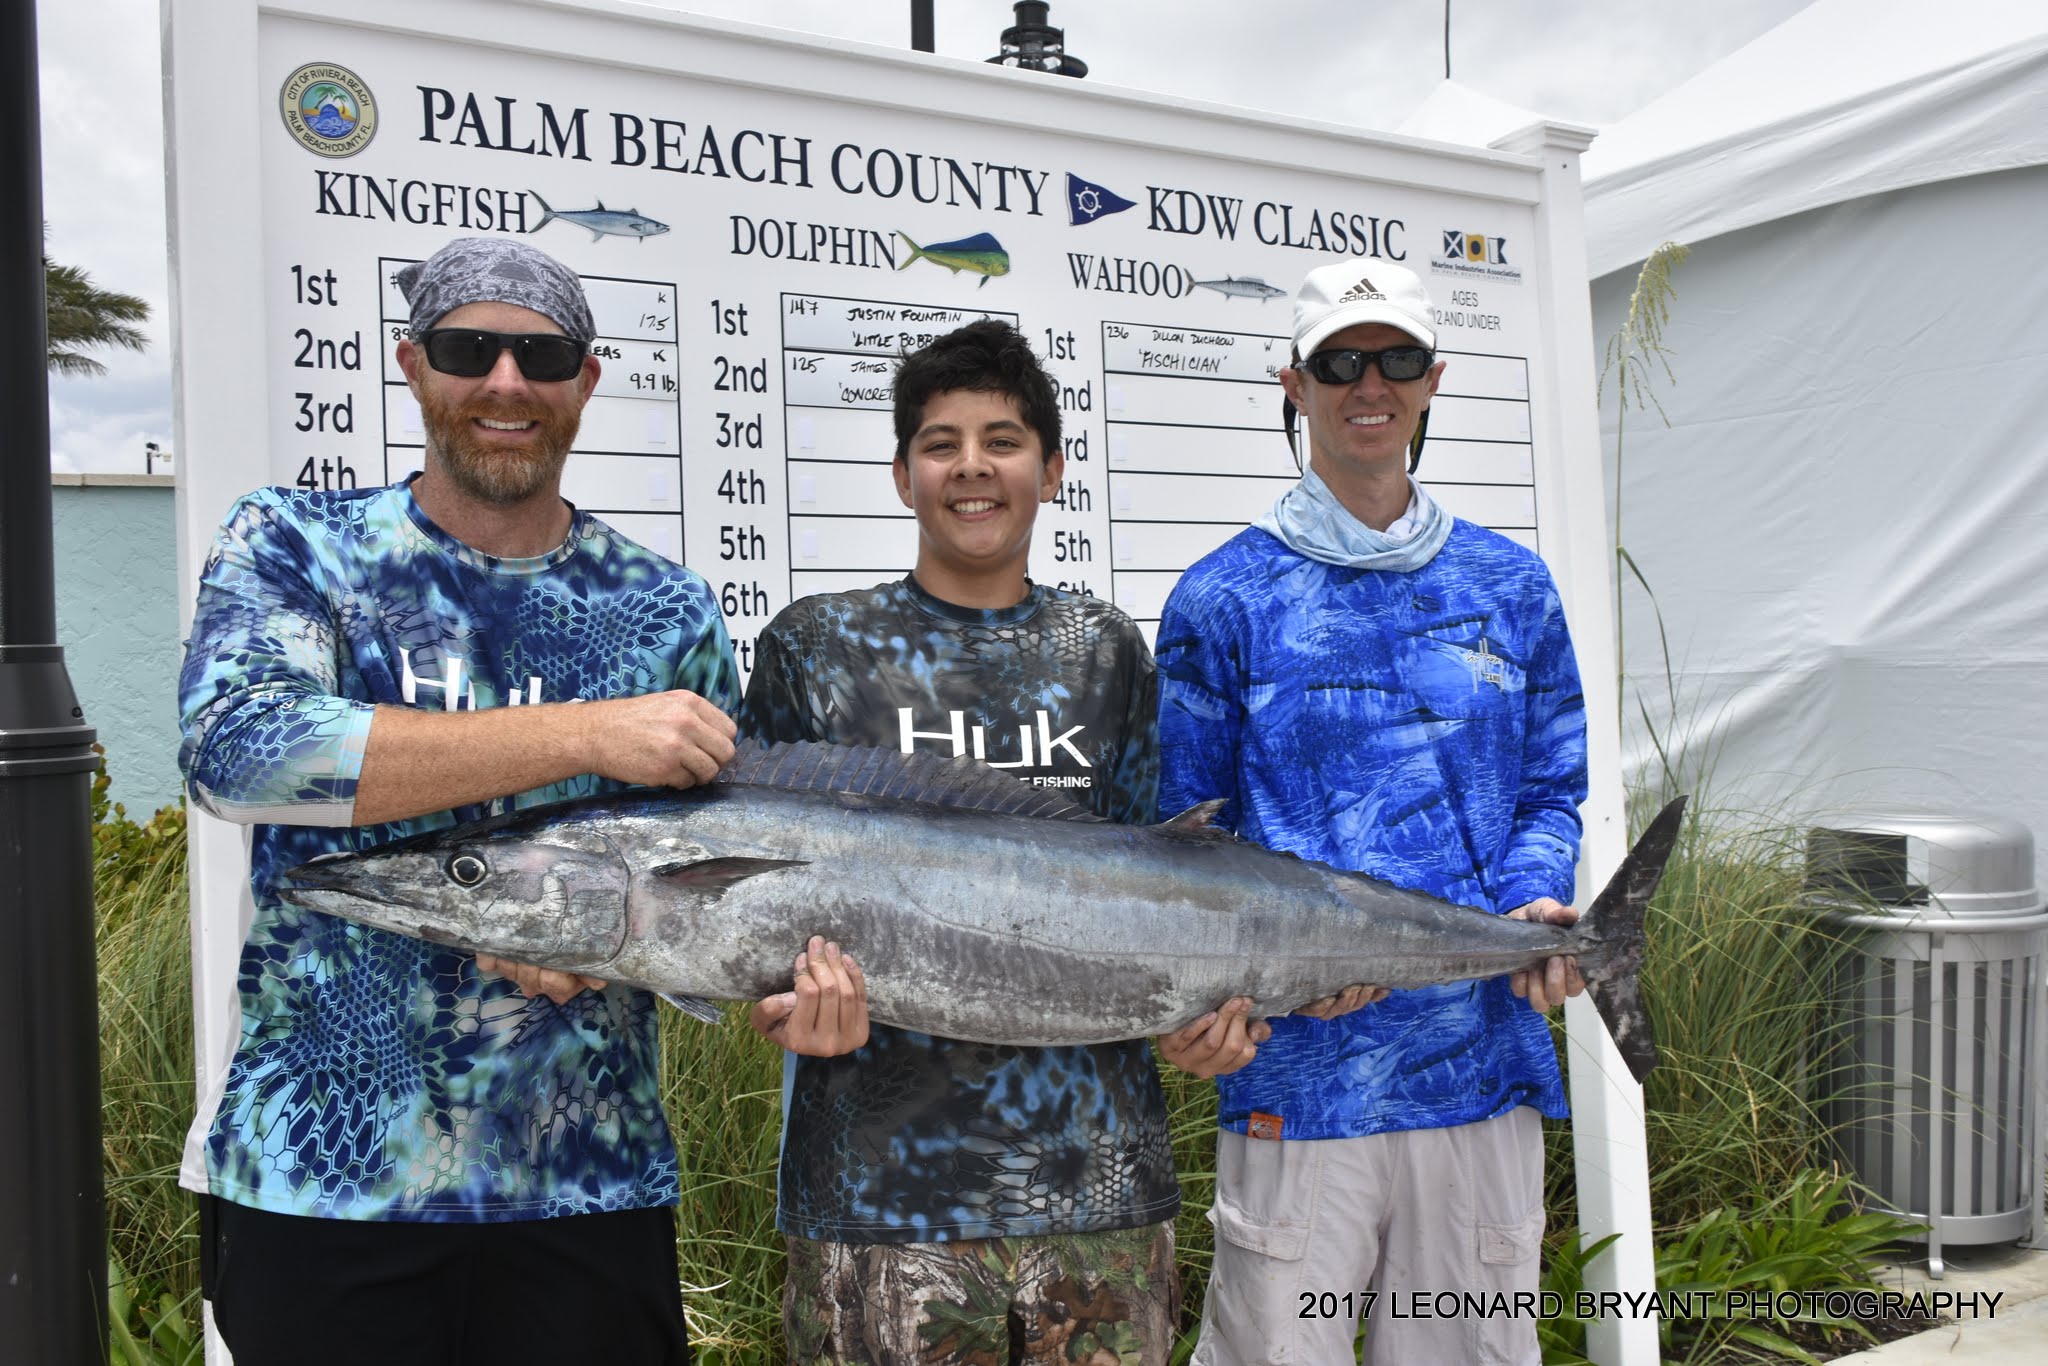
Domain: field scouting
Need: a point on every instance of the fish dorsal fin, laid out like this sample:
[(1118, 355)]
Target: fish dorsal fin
[(1198, 823), (599, 208), (861, 771)]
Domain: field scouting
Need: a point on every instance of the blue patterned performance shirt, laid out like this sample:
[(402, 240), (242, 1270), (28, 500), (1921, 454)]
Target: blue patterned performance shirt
[(913, 1138), (1424, 727), (377, 1076)]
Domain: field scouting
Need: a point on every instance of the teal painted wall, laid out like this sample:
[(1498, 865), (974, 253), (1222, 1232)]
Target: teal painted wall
[(117, 619)]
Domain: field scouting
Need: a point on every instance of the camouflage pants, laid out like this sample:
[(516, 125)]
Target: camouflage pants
[(1102, 1299)]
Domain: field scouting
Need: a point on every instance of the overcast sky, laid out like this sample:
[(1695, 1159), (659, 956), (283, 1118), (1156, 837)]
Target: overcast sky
[(1367, 64)]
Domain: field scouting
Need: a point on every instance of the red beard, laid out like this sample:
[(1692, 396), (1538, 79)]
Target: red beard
[(490, 472)]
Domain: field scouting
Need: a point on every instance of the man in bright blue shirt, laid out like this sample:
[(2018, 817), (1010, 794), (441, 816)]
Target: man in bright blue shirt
[(416, 1156), (1375, 684)]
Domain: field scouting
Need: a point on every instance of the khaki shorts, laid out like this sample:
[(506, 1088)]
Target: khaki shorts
[(1106, 1298), (1313, 1234)]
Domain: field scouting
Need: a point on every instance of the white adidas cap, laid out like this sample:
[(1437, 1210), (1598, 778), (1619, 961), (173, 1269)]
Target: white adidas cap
[(1366, 290)]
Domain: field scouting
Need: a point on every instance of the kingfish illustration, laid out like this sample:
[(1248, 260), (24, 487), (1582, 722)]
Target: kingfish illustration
[(980, 253), (1243, 287), (602, 221), (980, 907)]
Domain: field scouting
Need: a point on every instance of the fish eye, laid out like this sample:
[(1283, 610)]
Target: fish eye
[(467, 870)]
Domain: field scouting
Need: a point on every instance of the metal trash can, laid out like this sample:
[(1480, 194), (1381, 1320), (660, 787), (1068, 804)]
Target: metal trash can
[(1933, 1065)]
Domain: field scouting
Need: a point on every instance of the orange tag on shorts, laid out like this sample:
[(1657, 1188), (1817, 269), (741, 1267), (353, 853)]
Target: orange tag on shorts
[(1263, 1125)]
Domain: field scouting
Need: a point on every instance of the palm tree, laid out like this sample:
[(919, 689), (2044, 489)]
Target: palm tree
[(82, 315)]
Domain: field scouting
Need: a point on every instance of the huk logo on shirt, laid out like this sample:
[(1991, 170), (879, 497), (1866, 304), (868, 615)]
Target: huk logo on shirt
[(1034, 747), (457, 685)]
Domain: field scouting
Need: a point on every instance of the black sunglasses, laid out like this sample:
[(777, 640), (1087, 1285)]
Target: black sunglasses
[(544, 357), (1345, 365)]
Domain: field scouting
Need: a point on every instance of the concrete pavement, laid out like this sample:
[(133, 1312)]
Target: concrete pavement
[(2014, 1331)]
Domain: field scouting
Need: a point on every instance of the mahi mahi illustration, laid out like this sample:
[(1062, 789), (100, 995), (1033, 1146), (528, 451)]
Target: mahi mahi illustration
[(980, 253), (979, 907), (602, 222)]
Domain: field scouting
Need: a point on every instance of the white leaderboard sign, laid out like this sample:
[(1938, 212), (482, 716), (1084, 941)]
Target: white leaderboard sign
[(756, 258), (763, 225)]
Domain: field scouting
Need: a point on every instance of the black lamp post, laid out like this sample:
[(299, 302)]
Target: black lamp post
[(1036, 45), (53, 1267)]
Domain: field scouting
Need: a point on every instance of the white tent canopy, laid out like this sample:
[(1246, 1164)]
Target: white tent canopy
[(1845, 99), (1846, 522)]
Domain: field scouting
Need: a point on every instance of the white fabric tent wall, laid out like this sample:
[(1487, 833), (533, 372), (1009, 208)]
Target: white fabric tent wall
[(1846, 523)]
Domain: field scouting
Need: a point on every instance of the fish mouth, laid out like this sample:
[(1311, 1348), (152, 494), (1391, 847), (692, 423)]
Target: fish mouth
[(335, 884), (315, 888)]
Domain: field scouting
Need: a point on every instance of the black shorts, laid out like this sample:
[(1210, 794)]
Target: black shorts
[(306, 1291)]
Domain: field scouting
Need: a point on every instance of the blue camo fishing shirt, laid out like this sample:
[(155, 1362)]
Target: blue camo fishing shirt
[(913, 1138), (377, 1076), (1424, 727)]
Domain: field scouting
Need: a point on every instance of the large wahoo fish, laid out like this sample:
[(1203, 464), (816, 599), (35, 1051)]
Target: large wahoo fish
[(980, 907)]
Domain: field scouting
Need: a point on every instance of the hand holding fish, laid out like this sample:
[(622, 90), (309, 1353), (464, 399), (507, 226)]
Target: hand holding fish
[(417, 760), (1220, 1042), (1357, 996), (826, 1013), (1555, 979), (532, 981), (659, 739)]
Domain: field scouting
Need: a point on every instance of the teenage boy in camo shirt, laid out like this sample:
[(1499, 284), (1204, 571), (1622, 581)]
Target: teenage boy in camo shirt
[(936, 1191)]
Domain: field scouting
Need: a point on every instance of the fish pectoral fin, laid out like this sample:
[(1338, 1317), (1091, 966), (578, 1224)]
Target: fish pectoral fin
[(595, 235), (720, 875), (696, 1007), (1198, 823)]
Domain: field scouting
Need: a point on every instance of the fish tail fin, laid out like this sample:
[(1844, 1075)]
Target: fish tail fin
[(915, 250), (1612, 928), (547, 215)]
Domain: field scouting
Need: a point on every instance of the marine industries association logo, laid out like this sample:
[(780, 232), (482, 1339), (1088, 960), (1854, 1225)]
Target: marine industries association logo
[(328, 109), (1475, 255)]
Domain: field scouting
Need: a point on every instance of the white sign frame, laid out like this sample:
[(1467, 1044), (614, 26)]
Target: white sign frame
[(220, 106)]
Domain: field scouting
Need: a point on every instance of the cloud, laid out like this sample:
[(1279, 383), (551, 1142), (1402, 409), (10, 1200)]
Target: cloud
[(103, 197), (1591, 61), (100, 425)]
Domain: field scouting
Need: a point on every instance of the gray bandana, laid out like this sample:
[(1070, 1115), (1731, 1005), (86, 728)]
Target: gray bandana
[(479, 269)]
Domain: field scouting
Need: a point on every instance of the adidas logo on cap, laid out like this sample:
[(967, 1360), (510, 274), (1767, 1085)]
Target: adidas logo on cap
[(1362, 290)]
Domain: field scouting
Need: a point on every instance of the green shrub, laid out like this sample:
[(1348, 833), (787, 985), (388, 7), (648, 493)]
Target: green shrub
[(143, 943)]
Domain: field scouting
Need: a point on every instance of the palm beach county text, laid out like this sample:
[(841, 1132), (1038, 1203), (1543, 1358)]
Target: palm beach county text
[(1664, 1304)]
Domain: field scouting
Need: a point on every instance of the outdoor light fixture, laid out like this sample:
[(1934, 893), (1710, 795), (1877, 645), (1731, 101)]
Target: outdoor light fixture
[(1036, 45)]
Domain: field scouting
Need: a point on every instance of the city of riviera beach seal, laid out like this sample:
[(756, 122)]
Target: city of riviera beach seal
[(328, 109)]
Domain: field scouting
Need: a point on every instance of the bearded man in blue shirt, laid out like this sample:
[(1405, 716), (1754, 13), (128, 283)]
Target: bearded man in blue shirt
[(417, 1156)]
